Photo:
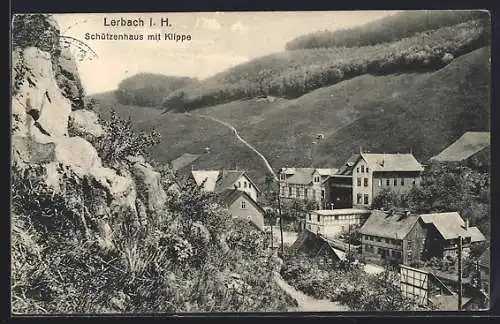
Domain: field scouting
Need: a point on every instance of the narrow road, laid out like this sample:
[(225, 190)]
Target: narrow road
[(308, 303), (235, 132)]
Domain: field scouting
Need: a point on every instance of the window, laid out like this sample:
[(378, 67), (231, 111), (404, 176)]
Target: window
[(310, 217), (244, 184), (289, 191), (283, 176), (362, 168), (318, 218), (239, 184), (305, 192), (249, 185), (402, 181), (358, 198), (365, 182), (357, 169), (314, 194), (395, 181), (243, 204), (336, 217), (366, 199), (380, 182), (359, 182), (414, 181), (297, 192), (367, 170), (282, 191), (387, 182), (322, 194), (316, 179)]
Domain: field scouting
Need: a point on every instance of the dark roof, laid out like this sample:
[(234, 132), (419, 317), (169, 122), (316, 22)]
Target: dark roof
[(389, 225), (228, 196), (463, 148), (227, 179), (451, 226), (348, 166), (392, 162)]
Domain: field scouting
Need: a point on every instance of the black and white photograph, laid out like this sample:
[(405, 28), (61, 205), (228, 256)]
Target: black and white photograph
[(250, 162)]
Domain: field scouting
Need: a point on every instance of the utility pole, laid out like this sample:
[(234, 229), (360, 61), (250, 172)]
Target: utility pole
[(349, 240), (459, 273), (281, 221)]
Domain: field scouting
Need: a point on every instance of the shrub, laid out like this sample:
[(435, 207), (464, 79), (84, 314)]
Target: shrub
[(121, 140)]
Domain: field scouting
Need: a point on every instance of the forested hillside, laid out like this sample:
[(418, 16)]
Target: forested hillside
[(423, 112), (149, 89), (291, 74), (388, 29)]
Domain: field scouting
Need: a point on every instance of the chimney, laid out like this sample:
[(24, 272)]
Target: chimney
[(466, 224)]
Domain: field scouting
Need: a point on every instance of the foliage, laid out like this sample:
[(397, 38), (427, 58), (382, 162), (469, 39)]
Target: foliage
[(388, 29), (148, 89), (350, 286), (159, 266), (37, 30), (122, 140), (449, 187), (386, 199), (294, 73)]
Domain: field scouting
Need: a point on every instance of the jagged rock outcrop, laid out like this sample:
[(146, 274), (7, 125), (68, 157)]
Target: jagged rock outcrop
[(85, 123), (59, 140), (149, 185)]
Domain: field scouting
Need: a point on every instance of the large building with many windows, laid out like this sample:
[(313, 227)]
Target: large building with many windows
[(372, 173)]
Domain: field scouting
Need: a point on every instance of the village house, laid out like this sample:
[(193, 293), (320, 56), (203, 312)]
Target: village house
[(241, 205), (372, 173), (218, 181), (331, 222), (394, 236), (443, 233), (305, 184), (472, 148)]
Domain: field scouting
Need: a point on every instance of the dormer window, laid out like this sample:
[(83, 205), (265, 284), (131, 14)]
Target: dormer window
[(316, 179)]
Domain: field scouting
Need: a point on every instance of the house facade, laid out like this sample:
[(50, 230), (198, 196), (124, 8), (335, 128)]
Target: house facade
[(372, 173), (241, 205), (218, 181), (395, 237), (305, 184), (331, 222)]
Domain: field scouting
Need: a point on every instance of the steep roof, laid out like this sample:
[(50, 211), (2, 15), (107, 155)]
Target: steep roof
[(228, 196), (392, 162), (388, 225), (467, 145), (226, 179), (218, 181), (210, 177), (184, 160), (451, 225), (347, 167), (305, 175), (476, 235)]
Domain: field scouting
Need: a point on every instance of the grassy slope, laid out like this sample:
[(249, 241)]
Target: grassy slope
[(381, 113)]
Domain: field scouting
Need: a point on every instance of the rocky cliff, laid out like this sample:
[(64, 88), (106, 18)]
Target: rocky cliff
[(53, 130)]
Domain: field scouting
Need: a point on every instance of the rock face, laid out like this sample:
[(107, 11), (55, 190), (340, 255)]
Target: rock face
[(85, 123), (148, 183), (110, 197)]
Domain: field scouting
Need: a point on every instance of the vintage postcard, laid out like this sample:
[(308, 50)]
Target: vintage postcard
[(250, 162)]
